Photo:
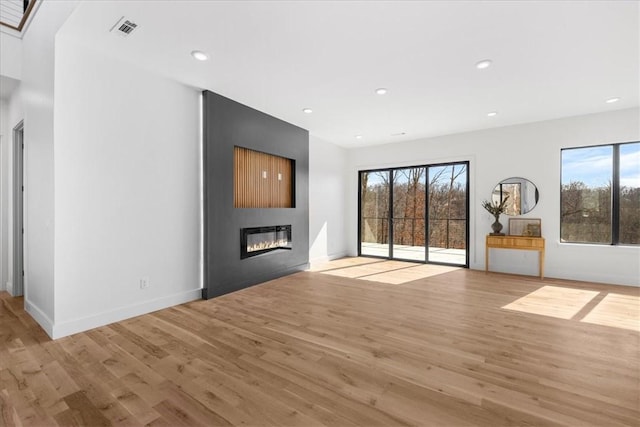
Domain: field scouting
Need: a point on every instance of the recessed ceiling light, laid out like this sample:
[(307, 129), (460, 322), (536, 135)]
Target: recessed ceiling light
[(307, 110), (485, 63), (358, 136), (612, 100), (199, 55), (492, 113), (381, 91)]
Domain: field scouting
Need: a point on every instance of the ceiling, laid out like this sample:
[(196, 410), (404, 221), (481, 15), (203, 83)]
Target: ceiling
[(551, 59), (11, 12)]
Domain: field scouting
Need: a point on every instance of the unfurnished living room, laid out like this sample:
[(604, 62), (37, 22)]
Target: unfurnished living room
[(337, 213)]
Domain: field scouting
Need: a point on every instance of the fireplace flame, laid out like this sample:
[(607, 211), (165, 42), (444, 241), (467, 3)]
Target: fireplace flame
[(267, 244)]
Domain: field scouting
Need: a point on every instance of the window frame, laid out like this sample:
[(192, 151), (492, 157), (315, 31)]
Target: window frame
[(615, 195), (391, 171)]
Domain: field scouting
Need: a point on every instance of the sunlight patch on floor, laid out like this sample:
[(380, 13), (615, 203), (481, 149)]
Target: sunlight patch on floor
[(344, 263), (553, 301), (383, 271), (620, 311), (410, 274), (358, 271)]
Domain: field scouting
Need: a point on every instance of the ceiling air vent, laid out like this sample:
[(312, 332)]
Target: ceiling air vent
[(124, 27)]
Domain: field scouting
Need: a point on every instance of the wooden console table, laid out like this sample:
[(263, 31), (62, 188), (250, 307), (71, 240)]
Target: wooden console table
[(516, 242)]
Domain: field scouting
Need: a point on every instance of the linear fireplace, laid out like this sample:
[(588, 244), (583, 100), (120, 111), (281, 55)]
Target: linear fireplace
[(259, 240)]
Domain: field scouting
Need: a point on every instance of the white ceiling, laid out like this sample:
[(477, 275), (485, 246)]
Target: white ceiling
[(551, 59), (11, 12)]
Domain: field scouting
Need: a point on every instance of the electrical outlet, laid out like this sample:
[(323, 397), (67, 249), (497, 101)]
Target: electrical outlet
[(144, 283)]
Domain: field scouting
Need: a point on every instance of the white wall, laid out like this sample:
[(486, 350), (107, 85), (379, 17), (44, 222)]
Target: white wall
[(127, 190), (531, 151), (5, 140), (14, 113), (36, 97), (11, 48), (327, 200), (10, 66)]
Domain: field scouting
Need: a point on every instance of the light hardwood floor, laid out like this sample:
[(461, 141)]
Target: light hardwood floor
[(356, 342)]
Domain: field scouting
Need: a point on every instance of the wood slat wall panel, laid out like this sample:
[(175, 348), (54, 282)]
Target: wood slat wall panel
[(252, 189)]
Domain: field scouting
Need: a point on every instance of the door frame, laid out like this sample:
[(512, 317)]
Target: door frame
[(18, 209)]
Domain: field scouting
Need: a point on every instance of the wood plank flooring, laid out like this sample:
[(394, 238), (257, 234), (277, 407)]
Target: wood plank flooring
[(357, 342)]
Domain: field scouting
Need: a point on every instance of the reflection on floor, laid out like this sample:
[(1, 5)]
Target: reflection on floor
[(391, 272), (416, 253)]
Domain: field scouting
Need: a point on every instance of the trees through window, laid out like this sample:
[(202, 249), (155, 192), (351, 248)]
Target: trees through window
[(416, 213), (600, 194)]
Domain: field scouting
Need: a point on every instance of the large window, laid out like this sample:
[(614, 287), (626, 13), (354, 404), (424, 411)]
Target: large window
[(416, 213), (600, 195)]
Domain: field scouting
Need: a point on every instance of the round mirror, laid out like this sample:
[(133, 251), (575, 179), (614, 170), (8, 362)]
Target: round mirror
[(522, 193)]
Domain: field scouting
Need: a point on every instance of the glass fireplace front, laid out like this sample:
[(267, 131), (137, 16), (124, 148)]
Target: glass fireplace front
[(259, 240)]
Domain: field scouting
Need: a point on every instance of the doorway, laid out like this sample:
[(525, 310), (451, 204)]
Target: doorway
[(417, 213), (18, 209)]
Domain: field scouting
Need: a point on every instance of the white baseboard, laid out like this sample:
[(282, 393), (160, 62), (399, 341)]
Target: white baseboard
[(39, 316), (605, 279), (330, 257), (62, 329), (9, 288)]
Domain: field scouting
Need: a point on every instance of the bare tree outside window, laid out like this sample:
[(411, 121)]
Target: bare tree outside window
[(600, 195), (630, 193), (374, 199), (447, 206), (417, 213)]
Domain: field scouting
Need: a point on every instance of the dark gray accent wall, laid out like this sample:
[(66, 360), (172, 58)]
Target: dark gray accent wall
[(227, 124)]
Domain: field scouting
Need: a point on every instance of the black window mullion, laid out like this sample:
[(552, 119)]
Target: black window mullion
[(615, 197), (360, 213), (427, 217), (467, 213), (390, 220)]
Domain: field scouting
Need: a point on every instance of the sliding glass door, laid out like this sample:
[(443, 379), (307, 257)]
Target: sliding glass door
[(374, 213), (409, 192), (417, 213), (447, 207)]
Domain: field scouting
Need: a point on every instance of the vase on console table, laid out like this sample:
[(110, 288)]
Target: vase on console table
[(497, 227), (495, 209)]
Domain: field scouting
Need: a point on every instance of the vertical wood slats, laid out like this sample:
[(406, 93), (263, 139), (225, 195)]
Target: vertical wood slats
[(251, 189)]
